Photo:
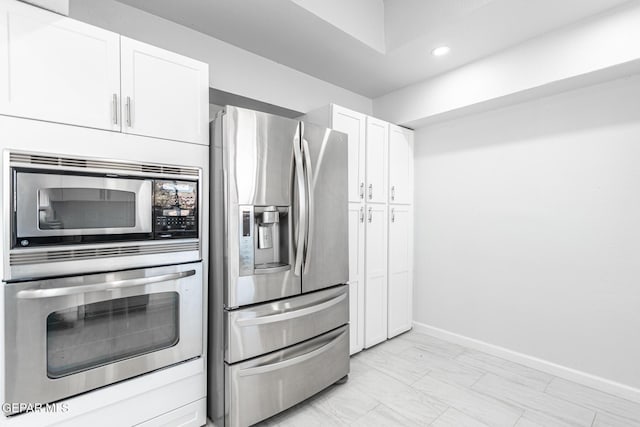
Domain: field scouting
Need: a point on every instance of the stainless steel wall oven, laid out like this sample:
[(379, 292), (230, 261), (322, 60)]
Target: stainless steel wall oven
[(66, 336)]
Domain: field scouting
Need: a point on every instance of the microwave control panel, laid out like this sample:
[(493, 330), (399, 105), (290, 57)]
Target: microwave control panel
[(175, 209)]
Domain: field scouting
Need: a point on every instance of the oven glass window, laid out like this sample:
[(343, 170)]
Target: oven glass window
[(97, 334), (80, 208)]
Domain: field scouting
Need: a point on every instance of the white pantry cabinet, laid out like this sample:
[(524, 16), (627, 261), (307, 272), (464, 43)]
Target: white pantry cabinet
[(400, 165), (400, 288), (164, 94), (57, 69), (380, 250), (354, 125), (61, 70), (375, 323), (356, 276), (377, 147)]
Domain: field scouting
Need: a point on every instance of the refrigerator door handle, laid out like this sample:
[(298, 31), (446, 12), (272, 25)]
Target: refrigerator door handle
[(302, 202), (310, 218)]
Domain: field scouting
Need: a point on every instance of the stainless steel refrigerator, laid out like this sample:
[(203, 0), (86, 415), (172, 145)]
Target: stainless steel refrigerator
[(279, 304)]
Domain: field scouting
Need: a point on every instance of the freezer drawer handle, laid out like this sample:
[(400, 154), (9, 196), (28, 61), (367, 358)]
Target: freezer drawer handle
[(294, 361), (98, 287), (294, 314)]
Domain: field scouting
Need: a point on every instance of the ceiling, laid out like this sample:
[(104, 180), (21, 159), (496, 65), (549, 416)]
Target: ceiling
[(373, 47)]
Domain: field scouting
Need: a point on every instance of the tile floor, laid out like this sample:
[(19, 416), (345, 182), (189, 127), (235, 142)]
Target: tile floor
[(418, 380)]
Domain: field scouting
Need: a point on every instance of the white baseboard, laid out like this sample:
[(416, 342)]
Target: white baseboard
[(589, 380)]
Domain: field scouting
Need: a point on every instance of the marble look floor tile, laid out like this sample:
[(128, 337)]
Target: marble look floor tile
[(379, 386), (512, 371), (444, 368), (454, 418), (607, 420), (481, 407), (435, 345), (534, 400), (533, 418), (393, 346), (594, 399), (398, 366), (416, 406), (383, 416), (344, 403)]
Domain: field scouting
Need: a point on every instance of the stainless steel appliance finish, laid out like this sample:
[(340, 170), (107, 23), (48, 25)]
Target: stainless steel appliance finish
[(115, 217), (283, 323), (261, 387), (61, 214), (279, 264), (69, 335)]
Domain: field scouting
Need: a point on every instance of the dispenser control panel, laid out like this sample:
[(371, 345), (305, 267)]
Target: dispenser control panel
[(246, 240)]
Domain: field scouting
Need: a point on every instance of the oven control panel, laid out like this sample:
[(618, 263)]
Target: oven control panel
[(175, 209)]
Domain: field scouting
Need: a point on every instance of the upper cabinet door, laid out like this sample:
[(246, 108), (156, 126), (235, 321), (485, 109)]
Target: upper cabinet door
[(354, 125), (376, 154), (57, 69), (400, 165), (164, 95)]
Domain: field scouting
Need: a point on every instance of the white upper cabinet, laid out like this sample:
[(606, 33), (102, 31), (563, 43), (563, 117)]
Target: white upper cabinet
[(57, 69), (377, 148), (354, 125), (164, 94), (400, 165), (356, 276), (400, 270)]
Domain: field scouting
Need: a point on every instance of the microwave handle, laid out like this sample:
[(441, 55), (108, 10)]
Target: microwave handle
[(98, 287)]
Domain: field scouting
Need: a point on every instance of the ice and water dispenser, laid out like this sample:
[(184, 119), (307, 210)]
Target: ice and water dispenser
[(264, 239)]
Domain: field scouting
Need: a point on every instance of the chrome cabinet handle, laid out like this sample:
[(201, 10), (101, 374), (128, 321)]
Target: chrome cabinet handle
[(393, 215), (310, 219), (292, 314), (98, 287), (128, 108), (370, 191), (393, 192), (361, 214), (293, 361), (114, 105), (362, 190), (302, 211), (370, 215)]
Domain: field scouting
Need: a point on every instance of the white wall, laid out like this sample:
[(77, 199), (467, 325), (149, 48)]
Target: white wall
[(528, 228), (231, 69), (588, 47)]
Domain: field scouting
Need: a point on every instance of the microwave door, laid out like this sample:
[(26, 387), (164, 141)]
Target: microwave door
[(50, 205)]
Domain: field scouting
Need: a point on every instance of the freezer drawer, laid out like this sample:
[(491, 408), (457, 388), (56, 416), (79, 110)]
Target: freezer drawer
[(268, 327), (262, 387)]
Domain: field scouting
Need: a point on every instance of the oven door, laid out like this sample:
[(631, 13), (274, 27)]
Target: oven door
[(57, 208), (70, 335)]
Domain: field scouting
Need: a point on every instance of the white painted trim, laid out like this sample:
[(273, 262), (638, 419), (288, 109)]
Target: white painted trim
[(612, 387)]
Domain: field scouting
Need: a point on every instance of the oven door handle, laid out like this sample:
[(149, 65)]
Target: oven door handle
[(98, 287)]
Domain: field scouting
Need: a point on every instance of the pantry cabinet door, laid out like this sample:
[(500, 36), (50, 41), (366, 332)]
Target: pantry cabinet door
[(400, 165), (375, 293), (400, 292), (57, 69), (356, 276), (354, 125), (164, 95), (377, 160)]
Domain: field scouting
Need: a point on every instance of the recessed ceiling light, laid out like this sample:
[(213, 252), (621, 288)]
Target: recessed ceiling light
[(440, 51)]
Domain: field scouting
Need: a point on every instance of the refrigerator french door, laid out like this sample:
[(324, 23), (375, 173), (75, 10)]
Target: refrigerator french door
[(279, 301)]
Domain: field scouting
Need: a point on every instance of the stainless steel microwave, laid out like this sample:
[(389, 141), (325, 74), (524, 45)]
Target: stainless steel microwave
[(64, 208)]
